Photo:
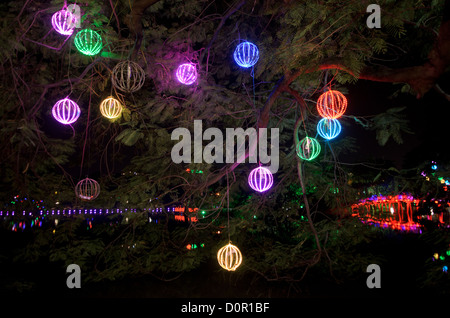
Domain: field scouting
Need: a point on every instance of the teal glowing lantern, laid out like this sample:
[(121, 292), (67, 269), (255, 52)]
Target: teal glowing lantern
[(329, 128), (88, 42), (308, 148)]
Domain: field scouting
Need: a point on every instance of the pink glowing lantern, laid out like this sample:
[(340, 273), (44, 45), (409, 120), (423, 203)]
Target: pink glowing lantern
[(64, 22), (186, 73), (66, 111), (260, 179)]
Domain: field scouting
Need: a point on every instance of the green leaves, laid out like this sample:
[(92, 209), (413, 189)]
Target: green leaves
[(390, 124), (129, 136)]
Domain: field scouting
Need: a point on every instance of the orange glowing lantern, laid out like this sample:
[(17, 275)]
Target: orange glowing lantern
[(331, 104), (229, 257)]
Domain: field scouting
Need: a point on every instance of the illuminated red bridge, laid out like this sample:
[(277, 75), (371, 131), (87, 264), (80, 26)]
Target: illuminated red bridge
[(395, 212)]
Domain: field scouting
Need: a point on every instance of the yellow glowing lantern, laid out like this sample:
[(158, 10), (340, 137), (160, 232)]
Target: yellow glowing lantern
[(229, 257), (111, 108)]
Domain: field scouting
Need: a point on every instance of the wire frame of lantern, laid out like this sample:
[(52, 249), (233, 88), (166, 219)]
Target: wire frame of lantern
[(128, 76), (64, 22), (87, 189), (260, 179), (329, 128), (229, 257), (66, 111), (88, 42), (308, 148), (186, 73), (111, 108), (246, 54), (331, 104)]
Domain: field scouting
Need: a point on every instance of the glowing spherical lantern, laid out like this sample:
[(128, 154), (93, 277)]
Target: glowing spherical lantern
[(66, 111), (63, 22), (229, 257), (331, 104), (260, 179), (87, 189), (186, 73), (128, 76), (329, 128), (246, 54), (111, 108), (308, 148), (88, 42)]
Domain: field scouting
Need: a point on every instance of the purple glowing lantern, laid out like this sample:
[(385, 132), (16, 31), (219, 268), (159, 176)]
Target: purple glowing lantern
[(63, 22), (260, 179), (186, 73), (66, 111)]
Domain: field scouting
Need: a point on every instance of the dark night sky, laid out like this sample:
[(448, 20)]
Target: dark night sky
[(427, 119)]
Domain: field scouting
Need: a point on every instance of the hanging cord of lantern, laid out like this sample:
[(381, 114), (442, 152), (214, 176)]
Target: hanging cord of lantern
[(87, 130), (228, 209), (300, 177)]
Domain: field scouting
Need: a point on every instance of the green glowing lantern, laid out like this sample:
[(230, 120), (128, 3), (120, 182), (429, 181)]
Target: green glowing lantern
[(88, 42), (308, 148)]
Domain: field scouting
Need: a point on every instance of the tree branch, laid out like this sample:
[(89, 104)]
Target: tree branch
[(422, 78), (134, 23)]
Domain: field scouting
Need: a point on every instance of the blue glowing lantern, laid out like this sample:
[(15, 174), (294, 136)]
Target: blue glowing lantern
[(329, 128), (246, 54)]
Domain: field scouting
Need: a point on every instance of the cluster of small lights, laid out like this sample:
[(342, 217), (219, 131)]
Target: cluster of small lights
[(69, 212), (440, 258)]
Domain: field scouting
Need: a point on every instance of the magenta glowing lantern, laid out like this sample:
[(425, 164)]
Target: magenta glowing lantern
[(64, 22), (66, 111), (186, 73), (260, 179)]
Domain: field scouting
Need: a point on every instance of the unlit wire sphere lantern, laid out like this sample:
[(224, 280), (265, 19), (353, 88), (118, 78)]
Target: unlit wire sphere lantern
[(88, 42), (308, 148), (246, 54), (229, 257), (329, 128), (186, 73), (128, 76), (66, 111), (111, 108), (87, 189), (64, 22), (331, 104), (260, 179)]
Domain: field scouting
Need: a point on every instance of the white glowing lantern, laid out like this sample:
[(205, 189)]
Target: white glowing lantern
[(128, 76), (87, 189)]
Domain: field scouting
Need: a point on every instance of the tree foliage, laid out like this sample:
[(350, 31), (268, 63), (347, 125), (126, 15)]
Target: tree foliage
[(130, 157)]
